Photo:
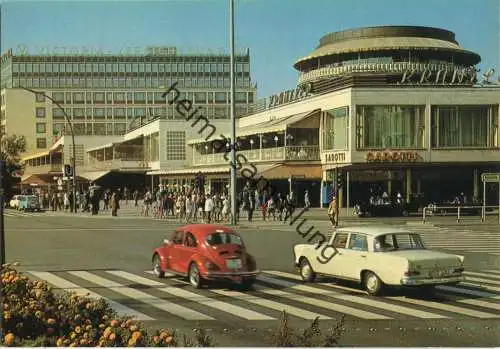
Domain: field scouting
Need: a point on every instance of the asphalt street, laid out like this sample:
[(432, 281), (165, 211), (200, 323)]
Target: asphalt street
[(110, 257)]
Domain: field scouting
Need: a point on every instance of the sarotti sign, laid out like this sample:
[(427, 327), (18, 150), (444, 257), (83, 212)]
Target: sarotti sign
[(457, 76)]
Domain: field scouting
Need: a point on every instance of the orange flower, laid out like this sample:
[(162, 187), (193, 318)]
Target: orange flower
[(113, 323), (78, 329), (112, 337), (9, 339), (169, 339), (156, 339), (51, 321), (137, 335), (131, 342), (163, 335)]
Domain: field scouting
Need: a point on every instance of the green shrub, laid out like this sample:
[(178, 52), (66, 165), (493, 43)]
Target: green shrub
[(286, 336)]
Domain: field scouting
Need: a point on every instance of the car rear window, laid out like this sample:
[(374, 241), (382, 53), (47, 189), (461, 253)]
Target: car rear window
[(223, 238)]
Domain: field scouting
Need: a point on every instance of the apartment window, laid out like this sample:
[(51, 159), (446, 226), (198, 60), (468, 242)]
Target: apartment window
[(88, 113), (158, 98), (120, 128), (89, 129), (119, 113), (207, 68), (221, 113), (40, 112), (41, 143), (241, 97), (40, 97), (58, 97), (99, 129), (79, 129), (79, 113), (139, 112), (176, 145), (129, 98), (250, 97), (99, 97), (109, 128), (57, 129), (200, 97), (99, 113), (78, 98), (109, 98), (139, 97), (40, 127), (210, 98), (119, 97), (57, 113), (220, 97), (109, 113)]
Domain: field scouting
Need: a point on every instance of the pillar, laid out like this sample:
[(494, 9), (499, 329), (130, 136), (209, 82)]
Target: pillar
[(419, 186), (260, 147), (389, 184), (408, 185), (321, 193), (476, 183), (348, 189), (340, 198)]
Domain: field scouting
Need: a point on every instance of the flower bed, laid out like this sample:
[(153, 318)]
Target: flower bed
[(35, 315)]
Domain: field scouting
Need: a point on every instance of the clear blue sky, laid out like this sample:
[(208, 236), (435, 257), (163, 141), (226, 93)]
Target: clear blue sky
[(276, 31)]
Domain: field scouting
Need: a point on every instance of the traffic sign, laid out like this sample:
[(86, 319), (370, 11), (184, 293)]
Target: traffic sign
[(490, 177)]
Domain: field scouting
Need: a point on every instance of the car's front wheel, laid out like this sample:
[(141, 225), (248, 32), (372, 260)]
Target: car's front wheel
[(194, 276), (247, 284), (372, 283), (157, 271), (306, 271)]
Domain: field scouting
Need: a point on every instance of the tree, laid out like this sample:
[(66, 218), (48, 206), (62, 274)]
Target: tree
[(11, 148)]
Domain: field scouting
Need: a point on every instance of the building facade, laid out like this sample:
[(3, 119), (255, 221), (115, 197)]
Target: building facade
[(105, 94), (396, 109)]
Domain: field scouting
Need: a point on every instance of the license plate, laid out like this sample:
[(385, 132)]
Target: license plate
[(233, 263)]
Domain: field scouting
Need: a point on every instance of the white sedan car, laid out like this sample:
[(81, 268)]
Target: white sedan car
[(378, 257)]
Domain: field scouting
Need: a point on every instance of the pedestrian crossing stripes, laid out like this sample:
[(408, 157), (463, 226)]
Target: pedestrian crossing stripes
[(466, 240), (275, 291)]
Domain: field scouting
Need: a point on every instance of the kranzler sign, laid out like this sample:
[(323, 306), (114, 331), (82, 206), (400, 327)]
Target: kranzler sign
[(392, 156)]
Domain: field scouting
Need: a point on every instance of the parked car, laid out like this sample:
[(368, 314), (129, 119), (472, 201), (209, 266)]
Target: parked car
[(380, 257), (29, 203), (389, 209), (14, 202), (204, 253)]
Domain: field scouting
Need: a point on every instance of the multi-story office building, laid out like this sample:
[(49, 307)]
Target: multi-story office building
[(104, 94), (107, 95)]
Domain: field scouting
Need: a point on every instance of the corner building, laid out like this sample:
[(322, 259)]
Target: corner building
[(395, 108)]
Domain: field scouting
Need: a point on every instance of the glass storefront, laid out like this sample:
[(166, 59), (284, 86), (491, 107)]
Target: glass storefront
[(464, 126), (390, 126), (336, 129)]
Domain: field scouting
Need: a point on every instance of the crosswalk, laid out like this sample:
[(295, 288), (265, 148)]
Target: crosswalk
[(478, 240), (141, 295)]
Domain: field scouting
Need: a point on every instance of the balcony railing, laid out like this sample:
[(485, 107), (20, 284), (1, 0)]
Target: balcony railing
[(115, 164), (42, 169), (294, 153)]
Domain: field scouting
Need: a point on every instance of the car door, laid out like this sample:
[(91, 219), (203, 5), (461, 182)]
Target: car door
[(173, 251), (186, 251), (334, 266), (355, 256)]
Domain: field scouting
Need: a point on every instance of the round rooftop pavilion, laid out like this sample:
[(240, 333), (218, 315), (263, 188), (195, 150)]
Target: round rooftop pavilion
[(387, 45)]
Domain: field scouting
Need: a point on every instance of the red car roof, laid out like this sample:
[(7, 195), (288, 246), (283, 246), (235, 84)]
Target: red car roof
[(202, 230)]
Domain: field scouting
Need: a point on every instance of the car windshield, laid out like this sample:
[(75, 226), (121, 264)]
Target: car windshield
[(32, 199), (398, 242), (223, 238)]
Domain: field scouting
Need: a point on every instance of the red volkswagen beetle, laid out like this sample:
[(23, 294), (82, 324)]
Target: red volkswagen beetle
[(206, 252)]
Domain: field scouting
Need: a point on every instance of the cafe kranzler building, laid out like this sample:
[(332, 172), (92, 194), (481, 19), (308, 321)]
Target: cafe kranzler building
[(396, 109)]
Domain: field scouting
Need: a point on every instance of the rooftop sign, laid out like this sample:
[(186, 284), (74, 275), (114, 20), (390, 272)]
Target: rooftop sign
[(290, 96)]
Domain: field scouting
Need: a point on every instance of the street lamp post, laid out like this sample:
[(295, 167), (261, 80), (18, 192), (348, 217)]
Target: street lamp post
[(233, 116), (68, 120)]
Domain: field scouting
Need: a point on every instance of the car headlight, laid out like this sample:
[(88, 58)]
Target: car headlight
[(211, 266)]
